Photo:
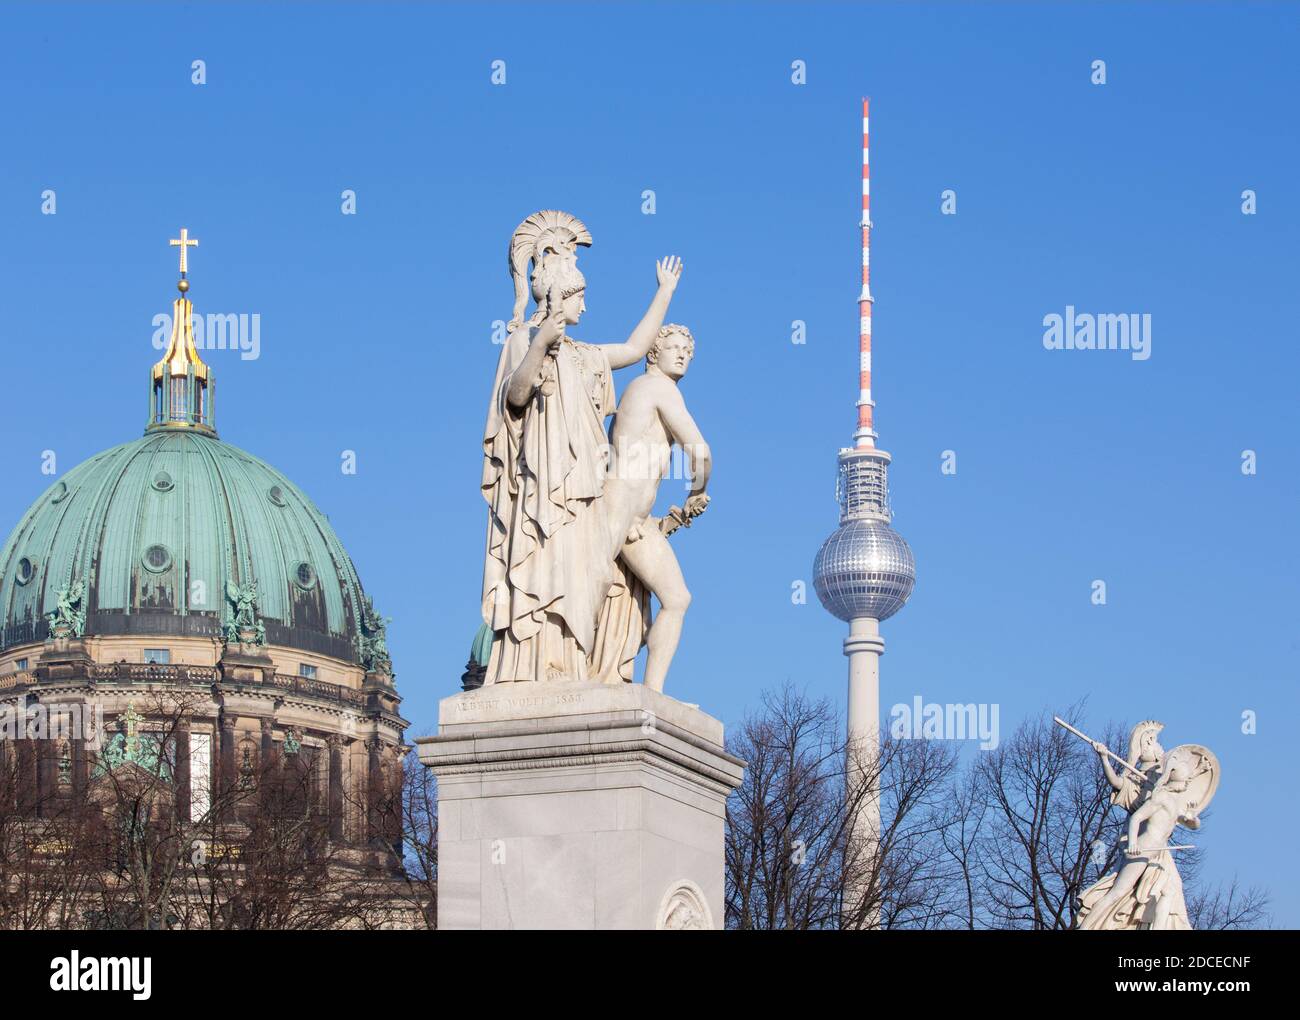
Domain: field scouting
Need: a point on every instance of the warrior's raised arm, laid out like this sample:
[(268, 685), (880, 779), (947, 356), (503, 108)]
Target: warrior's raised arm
[(1112, 777), (1102, 750), (565, 302), (668, 272)]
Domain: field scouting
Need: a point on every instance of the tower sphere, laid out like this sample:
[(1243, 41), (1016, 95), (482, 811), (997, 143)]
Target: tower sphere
[(864, 569)]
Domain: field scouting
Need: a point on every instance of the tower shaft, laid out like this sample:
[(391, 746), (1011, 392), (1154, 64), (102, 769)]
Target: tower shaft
[(864, 647)]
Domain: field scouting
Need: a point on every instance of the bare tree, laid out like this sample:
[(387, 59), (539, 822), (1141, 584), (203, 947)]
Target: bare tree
[(1049, 831), (959, 832), (147, 838), (1228, 908), (1010, 840), (276, 869), (124, 846), (905, 868), (417, 809), (782, 844), (47, 841), (795, 858)]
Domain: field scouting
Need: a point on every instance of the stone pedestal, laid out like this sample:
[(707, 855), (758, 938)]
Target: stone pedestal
[(63, 658), (246, 663), (573, 806)]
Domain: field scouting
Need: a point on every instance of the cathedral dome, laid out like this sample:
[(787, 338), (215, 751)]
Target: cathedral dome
[(192, 593), (155, 528)]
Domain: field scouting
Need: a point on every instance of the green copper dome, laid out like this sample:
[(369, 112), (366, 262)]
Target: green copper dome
[(155, 528)]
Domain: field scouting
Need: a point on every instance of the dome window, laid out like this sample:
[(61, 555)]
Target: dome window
[(157, 559), (25, 570), (304, 576), (59, 493), (276, 495), (162, 481)]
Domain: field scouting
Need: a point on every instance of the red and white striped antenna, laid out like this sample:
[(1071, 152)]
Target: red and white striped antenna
[(865, 436)]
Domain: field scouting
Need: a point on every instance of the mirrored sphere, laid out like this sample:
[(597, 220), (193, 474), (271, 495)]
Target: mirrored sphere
[(864, 569)]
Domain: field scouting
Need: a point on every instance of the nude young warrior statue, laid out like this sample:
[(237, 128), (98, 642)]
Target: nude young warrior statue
[(651, 418), (545, 458)]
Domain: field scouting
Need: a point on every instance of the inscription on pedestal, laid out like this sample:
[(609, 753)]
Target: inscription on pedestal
[(517, 703)]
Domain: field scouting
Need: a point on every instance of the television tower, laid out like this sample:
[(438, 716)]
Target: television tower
[(864, 572)]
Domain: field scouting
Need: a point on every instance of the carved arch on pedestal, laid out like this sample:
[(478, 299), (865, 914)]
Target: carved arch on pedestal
[(684, 908)]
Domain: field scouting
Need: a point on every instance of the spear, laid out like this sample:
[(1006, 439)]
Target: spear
[(1160, 849), (1136, 772)]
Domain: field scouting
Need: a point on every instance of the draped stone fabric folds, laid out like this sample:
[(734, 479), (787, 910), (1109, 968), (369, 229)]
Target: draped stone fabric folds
[(559, 609)]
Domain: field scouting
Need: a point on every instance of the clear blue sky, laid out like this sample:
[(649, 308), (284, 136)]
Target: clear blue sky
[(376, 328)]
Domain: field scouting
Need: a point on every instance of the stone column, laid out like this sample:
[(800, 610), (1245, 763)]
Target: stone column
[(80, 769), (47, 776), (228, 771), (8, 786), (268, 787), (268, 745), (310, 759), (26, 774), (183, 770), (336, 799), (394, 834), (374, 789), (579, 806), (8, 775)]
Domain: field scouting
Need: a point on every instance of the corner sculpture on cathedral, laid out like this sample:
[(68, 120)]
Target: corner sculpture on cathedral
[(245, 626), (68, 618), (372, 642)]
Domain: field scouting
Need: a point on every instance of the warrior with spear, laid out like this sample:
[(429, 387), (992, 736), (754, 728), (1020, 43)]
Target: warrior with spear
[(1161, 792)]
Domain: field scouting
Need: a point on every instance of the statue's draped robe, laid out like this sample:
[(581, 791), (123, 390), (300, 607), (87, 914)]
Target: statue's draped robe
[(1136, 909), (558, 608), (1131, 793)]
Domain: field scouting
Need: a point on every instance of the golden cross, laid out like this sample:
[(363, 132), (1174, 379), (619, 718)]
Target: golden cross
[(131, 719), (184, 242)]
